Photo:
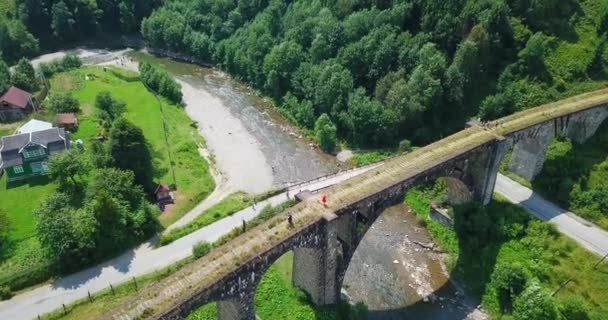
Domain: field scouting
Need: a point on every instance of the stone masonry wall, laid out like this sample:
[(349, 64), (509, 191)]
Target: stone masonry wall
[(530, 145)]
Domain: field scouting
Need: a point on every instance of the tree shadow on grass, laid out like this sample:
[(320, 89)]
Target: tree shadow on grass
[(30, 182), (121, 263)]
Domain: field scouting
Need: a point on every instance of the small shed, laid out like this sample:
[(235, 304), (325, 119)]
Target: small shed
[(67, 120), (163, 194)]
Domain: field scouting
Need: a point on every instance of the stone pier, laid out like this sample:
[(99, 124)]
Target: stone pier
[(530, 145)]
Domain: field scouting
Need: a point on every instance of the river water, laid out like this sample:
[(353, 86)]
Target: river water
[(399, 279), (251, 143)]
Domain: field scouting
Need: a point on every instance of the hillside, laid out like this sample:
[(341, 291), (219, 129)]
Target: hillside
[(398, 69)]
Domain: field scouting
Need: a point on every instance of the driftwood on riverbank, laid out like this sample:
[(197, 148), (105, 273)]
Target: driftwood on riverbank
[(429, 246)]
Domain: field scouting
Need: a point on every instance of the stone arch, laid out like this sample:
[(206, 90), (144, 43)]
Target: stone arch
[(457, 191), (530, 144)]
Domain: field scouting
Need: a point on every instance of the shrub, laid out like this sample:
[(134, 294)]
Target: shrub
[(325, 132), (574, 308), (358, 312), (67, 63), (5, 293), (159, 81), (201, 249), (509, 281), (64, 102), (405, 145), (534, 304)]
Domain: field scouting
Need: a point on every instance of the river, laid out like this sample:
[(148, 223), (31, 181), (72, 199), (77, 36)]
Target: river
[(253, 146), (398, 279)]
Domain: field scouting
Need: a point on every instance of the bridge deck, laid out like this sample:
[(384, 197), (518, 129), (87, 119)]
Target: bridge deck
[(210, 269)]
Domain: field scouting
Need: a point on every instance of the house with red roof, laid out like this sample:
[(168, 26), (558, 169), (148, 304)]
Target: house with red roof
[(15, 104)]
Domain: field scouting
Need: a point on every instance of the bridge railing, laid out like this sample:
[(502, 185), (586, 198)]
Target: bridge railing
[(292, 185)]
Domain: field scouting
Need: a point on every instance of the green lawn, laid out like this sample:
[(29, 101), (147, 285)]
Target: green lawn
[(277, 299), (227, 207), (22, 254), (192, 176)]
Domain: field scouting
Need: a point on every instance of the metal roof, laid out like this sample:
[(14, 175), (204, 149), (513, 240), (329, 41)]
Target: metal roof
[(16, 97), (34, 125)]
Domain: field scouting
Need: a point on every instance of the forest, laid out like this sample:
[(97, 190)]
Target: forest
[(382, 71), (27, 26)]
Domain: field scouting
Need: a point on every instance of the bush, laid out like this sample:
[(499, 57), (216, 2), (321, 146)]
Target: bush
[(534, 304), (64, 102), (325, 132), (159, 81), (358, 312), (201, 249), (574, 308), (5, 293), (405, 145), (509, 281), (67, 63)]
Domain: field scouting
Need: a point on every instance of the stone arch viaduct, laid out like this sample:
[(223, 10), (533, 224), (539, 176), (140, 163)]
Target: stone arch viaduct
[(324, 238)]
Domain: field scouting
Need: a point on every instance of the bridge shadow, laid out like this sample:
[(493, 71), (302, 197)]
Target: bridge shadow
[(563, 170)]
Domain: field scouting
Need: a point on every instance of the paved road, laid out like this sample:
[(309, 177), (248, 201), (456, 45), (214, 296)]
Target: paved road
[(142, 259), (588, 235)]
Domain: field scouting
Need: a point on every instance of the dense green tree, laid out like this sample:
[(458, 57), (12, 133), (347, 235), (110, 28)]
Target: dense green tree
[(63, 102), (5, 77), (332, 89), (100, 156), (441, 60), (128, 20), (509, 281), (159, 80), (118, 183), (75, 19), (367, 120), (109, 108), (24, 76), (112, 218), (16, 41), (129, 149), (325, 132), (302, 111), (279, 64), (63, 21), (68, 166), (532, 57), (66, 234), (534, 303)]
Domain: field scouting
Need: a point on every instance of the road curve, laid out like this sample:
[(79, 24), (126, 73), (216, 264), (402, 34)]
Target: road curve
[(584, 232), (144, 258)]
